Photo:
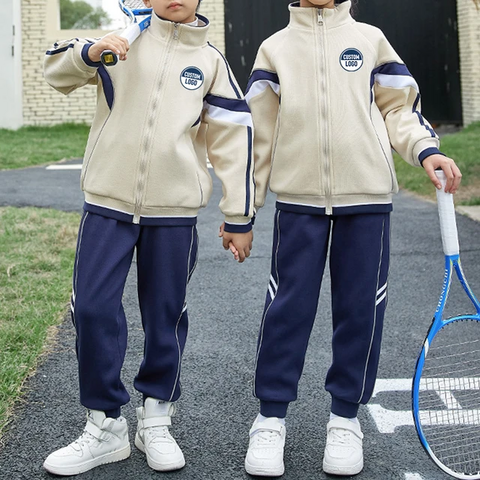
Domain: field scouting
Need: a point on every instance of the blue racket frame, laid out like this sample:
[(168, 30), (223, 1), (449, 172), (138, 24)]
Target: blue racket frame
[(452, 263)]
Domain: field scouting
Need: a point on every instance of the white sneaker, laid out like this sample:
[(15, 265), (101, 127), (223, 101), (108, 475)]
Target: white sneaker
[(343, 451), (265, 451), (104, 440), (153, 437)]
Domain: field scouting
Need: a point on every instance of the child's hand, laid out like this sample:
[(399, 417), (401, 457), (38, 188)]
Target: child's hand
[(452, 172), (115, 43), (239, 244)]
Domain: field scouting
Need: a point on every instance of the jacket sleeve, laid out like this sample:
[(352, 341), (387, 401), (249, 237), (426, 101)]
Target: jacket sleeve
[(398, 97), (262, 95), (67, 66), (229, 144)]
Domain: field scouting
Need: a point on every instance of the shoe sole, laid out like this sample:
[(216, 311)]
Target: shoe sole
[(159, 467), (345, 471), (112, 457), (265, 471)]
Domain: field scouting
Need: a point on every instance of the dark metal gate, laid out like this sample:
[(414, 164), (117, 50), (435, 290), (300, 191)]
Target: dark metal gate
[(423, 33), (247, 24)]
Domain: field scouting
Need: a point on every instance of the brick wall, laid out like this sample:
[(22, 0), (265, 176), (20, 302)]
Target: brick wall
[(42, 105), (469, 39)]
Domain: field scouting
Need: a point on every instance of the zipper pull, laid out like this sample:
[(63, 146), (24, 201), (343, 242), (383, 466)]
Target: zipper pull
[(175, 31), (320, 17)]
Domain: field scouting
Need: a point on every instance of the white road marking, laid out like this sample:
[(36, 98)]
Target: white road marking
[(388, 420), (72, 166), (413, 476)]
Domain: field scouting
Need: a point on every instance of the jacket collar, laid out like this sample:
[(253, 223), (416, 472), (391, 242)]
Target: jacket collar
[(307, 18), (186, 34)]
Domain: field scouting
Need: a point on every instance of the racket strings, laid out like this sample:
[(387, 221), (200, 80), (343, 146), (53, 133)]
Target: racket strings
[(134, 4), (449, 397)]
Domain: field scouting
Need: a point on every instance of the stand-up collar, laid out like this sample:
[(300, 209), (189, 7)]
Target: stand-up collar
[(306, 18), (186, 34)]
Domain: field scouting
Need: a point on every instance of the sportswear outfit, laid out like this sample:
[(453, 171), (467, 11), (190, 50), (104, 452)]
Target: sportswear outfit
[(329, 99), (145, 177)]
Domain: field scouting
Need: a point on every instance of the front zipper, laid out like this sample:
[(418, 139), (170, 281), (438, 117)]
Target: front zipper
[(324, 116), (147, 141)]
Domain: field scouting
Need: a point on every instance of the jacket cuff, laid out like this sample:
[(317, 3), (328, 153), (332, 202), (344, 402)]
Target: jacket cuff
[(427, 152), (238, 227), (86, 58)]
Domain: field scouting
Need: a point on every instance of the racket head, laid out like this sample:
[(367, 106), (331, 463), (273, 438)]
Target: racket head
[(134, 8), (446, 395)]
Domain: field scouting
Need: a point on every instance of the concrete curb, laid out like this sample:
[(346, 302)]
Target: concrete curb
[(472, 212)]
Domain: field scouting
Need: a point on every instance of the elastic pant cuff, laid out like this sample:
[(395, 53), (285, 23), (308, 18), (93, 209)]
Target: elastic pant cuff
[(273, 409), (343, 408), (114, 413)]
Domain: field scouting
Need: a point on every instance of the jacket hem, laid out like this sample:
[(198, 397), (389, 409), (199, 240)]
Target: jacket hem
[(144, 221), (336, 211), (148, 216)]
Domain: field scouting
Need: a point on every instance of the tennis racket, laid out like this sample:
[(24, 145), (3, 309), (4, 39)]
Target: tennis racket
[(446, 385), (140, 18)]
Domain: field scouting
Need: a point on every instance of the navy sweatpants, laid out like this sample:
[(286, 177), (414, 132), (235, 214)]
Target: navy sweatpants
[(166, 258), (359, 260)]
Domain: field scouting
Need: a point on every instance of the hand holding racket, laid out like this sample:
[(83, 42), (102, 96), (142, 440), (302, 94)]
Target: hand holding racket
[(140, 17), (446, 385)]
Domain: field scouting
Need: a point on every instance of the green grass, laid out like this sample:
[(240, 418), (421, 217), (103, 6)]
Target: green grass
[(29, 146), (464, 148), (37, 249)]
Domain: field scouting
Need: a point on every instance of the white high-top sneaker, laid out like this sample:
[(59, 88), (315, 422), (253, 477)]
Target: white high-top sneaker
[(104, 440), (265, 451), (153, 437), (343, 450)]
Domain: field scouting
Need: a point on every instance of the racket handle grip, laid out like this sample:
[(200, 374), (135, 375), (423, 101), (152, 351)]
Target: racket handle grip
[(131, 33), (446, 213)]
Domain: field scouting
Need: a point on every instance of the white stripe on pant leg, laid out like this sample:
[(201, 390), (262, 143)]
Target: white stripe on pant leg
[(374, 316), (382, 289), (270, 290), (75, 280), (262, 326), (179, 318), (274, 284), (380, 300)]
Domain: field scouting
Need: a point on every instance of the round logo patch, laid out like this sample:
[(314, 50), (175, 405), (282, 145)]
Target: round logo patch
[(192, 78), (351, 60)]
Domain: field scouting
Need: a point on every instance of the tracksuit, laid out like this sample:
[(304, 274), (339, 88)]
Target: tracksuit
[(329, 99), (145, 177)]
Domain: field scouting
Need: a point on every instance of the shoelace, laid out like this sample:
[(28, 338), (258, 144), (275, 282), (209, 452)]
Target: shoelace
[(266, 437), (339, 436), (157, 433), (84, 439)]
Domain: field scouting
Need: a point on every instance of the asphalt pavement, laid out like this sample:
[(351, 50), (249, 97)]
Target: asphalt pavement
[(225, 302)]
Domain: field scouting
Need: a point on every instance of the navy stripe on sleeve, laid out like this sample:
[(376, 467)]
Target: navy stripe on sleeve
[(259, 75), (59, 50), (230, 78), (420, 117), (249, 167), (107, 86), (233, 105), (389, 69)]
